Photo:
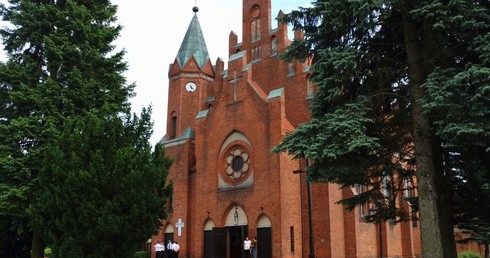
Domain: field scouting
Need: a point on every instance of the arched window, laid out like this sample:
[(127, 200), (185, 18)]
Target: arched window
[(363, 208), (173, 126), (291, 69), (310, 87), (255, 24), (256, 53), (274, 46)]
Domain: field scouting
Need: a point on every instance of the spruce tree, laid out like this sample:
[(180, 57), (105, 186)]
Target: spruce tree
[(62, 68), (383, 111)]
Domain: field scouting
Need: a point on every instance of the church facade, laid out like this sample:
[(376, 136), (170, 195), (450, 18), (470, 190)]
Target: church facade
[(221, 127)]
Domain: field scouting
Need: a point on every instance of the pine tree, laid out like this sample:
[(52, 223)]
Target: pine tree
[(61, 68), (383, 111)]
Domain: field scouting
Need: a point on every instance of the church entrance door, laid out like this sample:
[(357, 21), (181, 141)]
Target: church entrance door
[(237, 235), (264, 242), (167, 237), (228, 241), (218, 242)]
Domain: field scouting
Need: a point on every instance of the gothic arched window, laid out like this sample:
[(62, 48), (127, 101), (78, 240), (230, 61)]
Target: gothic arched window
[(173, 126), (274, 46), (255, 23)]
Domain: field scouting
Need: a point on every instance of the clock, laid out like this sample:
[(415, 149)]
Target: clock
[(191, 86)]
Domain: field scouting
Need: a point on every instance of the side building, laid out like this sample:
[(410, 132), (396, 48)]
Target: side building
[(221, 127)]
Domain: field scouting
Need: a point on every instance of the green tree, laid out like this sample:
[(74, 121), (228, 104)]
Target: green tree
[(387, 73), (61, 67), (470, 197), (102, 187)]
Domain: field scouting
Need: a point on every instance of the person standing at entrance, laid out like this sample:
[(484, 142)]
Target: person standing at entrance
[(254, 247), (170, 252), (247, 244), (159, 248), (175, 248)]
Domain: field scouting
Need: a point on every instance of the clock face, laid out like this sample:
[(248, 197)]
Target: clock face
[(191, 86)]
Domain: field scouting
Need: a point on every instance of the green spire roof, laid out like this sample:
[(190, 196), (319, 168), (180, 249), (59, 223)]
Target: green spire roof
[(193, 44)]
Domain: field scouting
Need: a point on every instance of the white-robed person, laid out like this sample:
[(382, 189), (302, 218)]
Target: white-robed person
[(159, 248), (175, 248), (247, 247), (170, 252)]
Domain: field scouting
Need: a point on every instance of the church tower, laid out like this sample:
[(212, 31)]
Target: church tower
[(256, 26), (227, 183), (191, 78)]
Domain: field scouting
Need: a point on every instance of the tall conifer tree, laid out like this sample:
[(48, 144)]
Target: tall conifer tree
[(401, 84), (105, 193), (62, 69)]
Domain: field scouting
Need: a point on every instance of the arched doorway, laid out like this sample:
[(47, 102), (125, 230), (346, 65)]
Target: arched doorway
[(227, 241), (208, 239), (237, 229), (167, 236), (264, 237)]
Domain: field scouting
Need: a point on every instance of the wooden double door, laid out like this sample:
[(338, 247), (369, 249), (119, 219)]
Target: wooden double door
[(227, 242)]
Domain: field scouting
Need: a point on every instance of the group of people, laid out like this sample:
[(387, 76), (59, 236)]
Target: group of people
[(250, 247), (172, 249)]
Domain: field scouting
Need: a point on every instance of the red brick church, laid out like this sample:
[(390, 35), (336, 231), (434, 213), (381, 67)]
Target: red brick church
[(221, 127)]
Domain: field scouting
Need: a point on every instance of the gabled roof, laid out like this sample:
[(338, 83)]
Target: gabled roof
[(193, 44)]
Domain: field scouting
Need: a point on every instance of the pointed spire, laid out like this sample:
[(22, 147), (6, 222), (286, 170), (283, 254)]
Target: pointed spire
[(193, 44)]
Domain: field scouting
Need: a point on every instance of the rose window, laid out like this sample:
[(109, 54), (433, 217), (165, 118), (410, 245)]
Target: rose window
[(237, 163)]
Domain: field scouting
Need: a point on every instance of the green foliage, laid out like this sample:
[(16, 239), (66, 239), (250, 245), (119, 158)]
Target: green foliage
[(388, 59), (141, 254), (457, 100), (13, 244), (469, 254), (104, 194), (48, 251), (63, 85), (470, 198), (360, 131)]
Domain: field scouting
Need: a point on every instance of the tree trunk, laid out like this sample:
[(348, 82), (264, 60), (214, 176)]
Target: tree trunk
[(487, 252), (437, 232), (37, 249)]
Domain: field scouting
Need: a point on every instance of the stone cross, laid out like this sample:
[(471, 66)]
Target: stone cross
[(179, 226)]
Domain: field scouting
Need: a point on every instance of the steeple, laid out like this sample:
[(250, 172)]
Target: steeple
[(193, 44)]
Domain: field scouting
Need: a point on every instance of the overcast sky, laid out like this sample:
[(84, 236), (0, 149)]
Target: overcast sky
[(153, 31)]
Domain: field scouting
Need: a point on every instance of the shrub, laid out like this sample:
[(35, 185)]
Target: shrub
[(469, 254), (47, 251), (141, 254)]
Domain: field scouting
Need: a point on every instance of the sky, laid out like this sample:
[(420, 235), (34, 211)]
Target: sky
[(153, 31)]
